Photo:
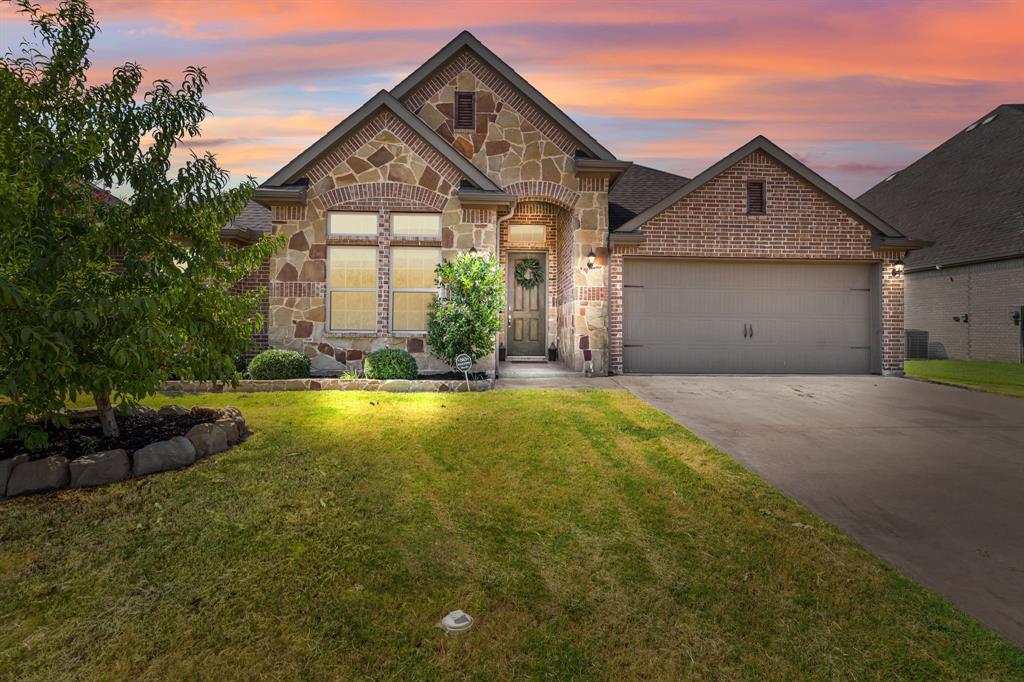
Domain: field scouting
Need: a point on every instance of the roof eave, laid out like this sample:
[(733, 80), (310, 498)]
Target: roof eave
[(382, 99), (633, 237), (467, 39), (476, 197), (879, 242), (292, 194)]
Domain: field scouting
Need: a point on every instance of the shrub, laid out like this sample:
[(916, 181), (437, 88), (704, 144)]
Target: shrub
[(467, 318), (390, 363), (279, 364)]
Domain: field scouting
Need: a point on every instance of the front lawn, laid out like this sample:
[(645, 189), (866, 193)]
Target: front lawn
[(992, 377), (588, 534)]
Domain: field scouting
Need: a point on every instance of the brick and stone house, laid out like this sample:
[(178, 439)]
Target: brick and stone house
[(967, 291), (756, 265)]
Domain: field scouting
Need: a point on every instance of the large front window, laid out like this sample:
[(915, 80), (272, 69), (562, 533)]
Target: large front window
[(413, 286), (352, 288)]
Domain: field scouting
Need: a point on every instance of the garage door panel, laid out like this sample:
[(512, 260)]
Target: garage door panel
[(690, 317)]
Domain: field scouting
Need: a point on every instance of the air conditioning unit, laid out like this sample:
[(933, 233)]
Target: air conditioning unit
[(917, 344)]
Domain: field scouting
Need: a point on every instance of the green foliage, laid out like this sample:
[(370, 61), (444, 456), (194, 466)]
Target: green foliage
[(467, 318), (390, 363), (279, 364), (97, 296)]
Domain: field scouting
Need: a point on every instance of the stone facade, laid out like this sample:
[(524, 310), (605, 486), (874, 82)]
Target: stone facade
[(936, 301), (801, 223)]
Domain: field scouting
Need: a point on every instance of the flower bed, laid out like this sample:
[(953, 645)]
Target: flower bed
[(152, 441), (328, 384)]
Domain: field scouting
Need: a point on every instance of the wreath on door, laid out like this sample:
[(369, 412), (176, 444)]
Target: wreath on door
[(528, 274)]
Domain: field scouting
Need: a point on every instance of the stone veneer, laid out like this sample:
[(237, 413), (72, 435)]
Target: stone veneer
[(801, 223), (385, 167)]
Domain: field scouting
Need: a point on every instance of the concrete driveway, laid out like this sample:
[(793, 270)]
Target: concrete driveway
[(929, 478)]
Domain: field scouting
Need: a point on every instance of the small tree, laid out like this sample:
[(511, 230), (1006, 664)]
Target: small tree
[(100, 297), (467, 317)]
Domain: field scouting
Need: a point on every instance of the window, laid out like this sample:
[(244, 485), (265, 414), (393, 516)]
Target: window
[(413, 286), (416, 225), (352, 224), (757, 203), (465, 111), (352, 288), (526, 233)]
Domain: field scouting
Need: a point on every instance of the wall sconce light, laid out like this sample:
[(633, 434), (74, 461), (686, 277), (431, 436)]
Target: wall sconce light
[(472, 250), (591, 259), (898, 267)]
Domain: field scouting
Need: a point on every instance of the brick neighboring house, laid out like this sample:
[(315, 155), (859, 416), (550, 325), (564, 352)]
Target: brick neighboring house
[(966, 195), (756, 265)]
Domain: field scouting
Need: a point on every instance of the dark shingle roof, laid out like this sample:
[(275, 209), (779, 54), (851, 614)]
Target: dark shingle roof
[(639, 188), (966, 195), (250, 224)]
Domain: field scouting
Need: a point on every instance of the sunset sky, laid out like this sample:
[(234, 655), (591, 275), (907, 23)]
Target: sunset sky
[(855, 89)]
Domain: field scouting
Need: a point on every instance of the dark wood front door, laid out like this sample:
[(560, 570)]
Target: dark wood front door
[(526, 309)]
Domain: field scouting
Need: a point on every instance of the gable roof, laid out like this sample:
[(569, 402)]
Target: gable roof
[(383, 99), (967, 194), (762, 143), (250, 224), (638, 189), (468, 41)]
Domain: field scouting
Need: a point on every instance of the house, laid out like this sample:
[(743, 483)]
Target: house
[(755, 265), (967, 196)]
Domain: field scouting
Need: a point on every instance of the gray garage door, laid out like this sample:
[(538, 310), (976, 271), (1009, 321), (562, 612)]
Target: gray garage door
[(739, 317)]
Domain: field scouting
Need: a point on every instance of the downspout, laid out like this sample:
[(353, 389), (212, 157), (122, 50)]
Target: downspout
[(497, 254)]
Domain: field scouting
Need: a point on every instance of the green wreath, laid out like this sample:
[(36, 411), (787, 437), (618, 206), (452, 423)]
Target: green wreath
[(528, 273)]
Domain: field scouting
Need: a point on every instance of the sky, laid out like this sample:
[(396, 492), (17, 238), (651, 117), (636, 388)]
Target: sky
[(856, 90)]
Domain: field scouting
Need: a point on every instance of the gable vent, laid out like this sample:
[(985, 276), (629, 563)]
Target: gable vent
[(465, 110), (756, 201)]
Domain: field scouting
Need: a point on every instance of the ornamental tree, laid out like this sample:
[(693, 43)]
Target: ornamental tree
[(468, 316), (100, 297)]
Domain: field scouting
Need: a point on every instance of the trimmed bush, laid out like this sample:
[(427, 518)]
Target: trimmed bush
[(279, 364), (390, 363)]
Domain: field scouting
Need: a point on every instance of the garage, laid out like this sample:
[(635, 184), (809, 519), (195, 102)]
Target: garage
[(748, 317)]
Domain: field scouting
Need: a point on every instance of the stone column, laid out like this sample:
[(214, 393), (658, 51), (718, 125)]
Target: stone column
[(590, 234)]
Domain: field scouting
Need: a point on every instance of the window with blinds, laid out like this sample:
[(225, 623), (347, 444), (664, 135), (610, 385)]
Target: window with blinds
[(465, 110), (757, 203)]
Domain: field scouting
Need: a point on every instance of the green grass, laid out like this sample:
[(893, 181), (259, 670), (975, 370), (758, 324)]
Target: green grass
[(992, 377), (590, 536)]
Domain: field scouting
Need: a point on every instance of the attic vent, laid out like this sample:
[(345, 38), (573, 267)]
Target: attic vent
[(465, 110), (756, 201), (889, 179), (971, 127), (989, 119)]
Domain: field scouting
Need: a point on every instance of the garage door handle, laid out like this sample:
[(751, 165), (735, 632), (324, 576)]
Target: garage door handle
[(751, 331), (744, 330)]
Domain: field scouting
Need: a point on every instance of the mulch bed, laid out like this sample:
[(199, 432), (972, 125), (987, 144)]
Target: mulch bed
[(85, 437), (453, 376)]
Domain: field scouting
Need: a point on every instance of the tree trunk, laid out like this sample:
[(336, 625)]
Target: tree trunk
[(108, 420)]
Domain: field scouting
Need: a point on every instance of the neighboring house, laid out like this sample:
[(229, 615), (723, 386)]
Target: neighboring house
[(755, 265), (967, 196)]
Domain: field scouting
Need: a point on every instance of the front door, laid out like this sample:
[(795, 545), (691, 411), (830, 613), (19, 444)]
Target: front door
[(526, 305)]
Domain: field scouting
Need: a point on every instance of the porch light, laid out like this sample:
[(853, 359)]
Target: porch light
[(898, 267), (472, 250), (591, 259)]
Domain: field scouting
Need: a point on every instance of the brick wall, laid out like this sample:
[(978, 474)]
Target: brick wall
[(800, 223), (987, 292), (258, 280)]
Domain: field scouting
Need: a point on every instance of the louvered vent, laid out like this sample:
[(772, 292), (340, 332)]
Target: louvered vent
[(465, 110), (756, 202)]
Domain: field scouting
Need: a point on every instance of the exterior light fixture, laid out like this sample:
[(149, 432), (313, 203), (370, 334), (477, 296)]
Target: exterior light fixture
[(472, 250), (591, 259), (898, 267)]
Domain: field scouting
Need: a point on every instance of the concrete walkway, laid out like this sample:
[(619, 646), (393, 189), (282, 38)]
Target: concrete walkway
[(929, 478)]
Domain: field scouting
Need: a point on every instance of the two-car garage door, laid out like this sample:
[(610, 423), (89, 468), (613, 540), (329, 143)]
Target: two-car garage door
[(739, 317)]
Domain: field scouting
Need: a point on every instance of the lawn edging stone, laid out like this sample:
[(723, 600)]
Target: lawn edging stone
[(21, 476), (331, 384), (100, 468), (41, 475)]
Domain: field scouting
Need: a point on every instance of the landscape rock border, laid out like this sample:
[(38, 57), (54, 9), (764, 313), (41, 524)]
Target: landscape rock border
[(19, 476), (329, 384)]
